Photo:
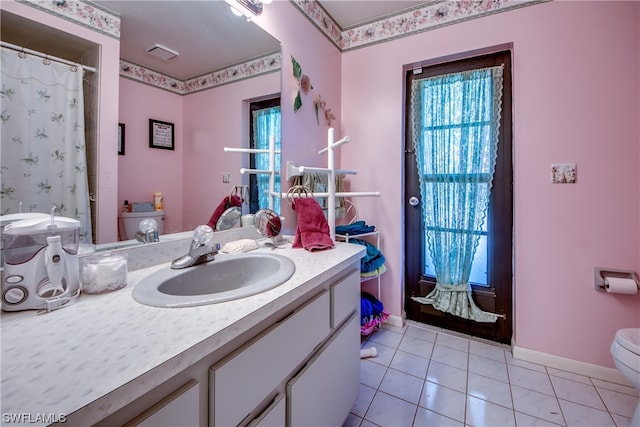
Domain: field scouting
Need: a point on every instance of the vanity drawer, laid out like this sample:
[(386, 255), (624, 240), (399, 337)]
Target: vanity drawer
[(244, 379), (345, 297)]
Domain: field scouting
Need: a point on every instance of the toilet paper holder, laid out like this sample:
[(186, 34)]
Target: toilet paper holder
[(602, 273)]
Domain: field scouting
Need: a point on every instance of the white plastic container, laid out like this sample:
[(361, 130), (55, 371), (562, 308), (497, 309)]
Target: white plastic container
[(103, 273)]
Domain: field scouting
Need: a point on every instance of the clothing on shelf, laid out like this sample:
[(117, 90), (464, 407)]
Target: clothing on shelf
[(373, 259), (378, 271), (358, 227), (372, 313), (312, 232)]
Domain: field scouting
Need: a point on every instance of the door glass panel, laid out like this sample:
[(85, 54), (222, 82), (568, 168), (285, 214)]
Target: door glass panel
[(478, 268)]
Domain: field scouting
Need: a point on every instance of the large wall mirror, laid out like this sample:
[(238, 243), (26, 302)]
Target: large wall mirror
[(207, 36)]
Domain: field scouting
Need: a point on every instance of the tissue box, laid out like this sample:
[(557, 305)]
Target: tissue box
[(142, 207), (103, 273)]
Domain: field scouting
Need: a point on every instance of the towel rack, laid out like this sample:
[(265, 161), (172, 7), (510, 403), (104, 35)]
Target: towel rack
[(331, 194), (272, 172), (293, 170)]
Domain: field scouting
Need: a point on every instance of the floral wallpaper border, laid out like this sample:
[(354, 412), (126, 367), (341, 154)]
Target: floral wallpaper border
[(263, 65), (83, 13), (431, 16)]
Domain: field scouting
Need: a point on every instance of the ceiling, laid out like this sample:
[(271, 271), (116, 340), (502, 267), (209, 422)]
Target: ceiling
[(348, 13), (207, 36)]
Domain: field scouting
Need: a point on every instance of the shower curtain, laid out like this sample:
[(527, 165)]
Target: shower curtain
[(43, 156)]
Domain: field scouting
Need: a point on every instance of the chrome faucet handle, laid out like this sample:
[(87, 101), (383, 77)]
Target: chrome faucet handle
[(202, 235), (202, 249)]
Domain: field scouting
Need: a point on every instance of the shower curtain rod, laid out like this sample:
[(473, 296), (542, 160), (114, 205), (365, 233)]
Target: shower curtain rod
[(44, 55)]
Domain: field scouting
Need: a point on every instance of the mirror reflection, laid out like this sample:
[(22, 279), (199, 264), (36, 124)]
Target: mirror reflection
[(207, 38), (269, 224)]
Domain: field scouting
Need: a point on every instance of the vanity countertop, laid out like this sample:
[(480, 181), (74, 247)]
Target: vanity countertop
[(59, 362)]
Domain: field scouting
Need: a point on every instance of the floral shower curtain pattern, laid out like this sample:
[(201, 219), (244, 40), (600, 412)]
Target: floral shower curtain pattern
[(266, 123), (456, 120), (43, 144)]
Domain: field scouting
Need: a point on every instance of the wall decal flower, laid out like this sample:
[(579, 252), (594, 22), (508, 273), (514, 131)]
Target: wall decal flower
[(320, 103), (297, 73), (304, 85)]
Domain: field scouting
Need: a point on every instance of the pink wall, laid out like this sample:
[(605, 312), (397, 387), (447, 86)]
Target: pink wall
[(144, 170), (214, 119), (575, 99), (106, 204), (302, 136), (190, 177)]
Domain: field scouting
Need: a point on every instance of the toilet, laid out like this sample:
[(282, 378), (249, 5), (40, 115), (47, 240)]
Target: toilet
[(625, 350), (129, 222)]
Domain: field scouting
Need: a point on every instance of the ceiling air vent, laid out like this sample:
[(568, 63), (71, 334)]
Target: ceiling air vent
[(162, 52)]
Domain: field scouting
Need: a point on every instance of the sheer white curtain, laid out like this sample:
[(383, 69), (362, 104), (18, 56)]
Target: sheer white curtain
[(456, 119), (266, 125), (43, 144)]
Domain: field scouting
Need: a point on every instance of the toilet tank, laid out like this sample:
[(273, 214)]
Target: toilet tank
[(129, 222)]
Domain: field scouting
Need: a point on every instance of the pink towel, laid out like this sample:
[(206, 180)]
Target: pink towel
[(225, 204), (312, 232)]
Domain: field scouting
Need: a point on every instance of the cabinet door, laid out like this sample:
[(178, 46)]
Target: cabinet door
[(241, 382), (323, 393), (180, 408), (345, 296), (274, 416)]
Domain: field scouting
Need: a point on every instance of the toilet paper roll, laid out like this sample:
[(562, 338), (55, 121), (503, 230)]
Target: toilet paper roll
[(620, 285)]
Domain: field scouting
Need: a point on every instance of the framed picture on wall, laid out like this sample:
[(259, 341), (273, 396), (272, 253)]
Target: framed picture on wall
[(161, 134), (121, 139)]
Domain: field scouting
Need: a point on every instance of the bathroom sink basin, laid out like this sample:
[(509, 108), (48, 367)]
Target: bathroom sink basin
[(227, 277)]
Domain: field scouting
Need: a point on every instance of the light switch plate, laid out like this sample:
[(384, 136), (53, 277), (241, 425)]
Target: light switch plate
[(564, 173), (226, 178)]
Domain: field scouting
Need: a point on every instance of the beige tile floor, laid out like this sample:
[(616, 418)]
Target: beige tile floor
[(423, 376)]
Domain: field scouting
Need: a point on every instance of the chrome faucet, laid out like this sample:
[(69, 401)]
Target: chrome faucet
[(149, 236), (202, 249), (148, 231)]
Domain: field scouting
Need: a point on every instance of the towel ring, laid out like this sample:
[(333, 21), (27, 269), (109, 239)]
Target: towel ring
[(298, 191), (349, 215)]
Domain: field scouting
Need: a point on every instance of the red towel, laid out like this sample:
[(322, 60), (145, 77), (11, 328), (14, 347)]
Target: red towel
[(312, 232), (225, 204)]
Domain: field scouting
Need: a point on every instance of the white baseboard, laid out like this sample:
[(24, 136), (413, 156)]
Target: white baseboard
[(575, 366), (603, 373), (395, 321)]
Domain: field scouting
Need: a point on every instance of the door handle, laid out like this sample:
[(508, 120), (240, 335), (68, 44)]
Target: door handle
[(414, 201)]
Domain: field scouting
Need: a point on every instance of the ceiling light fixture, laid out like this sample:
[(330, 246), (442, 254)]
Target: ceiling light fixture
[(162, 52), (247, 8)]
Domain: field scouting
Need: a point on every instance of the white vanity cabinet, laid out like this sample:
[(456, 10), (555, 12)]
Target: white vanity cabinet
[(241, 382), (324, 391), (312, 356), (289, 354)]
